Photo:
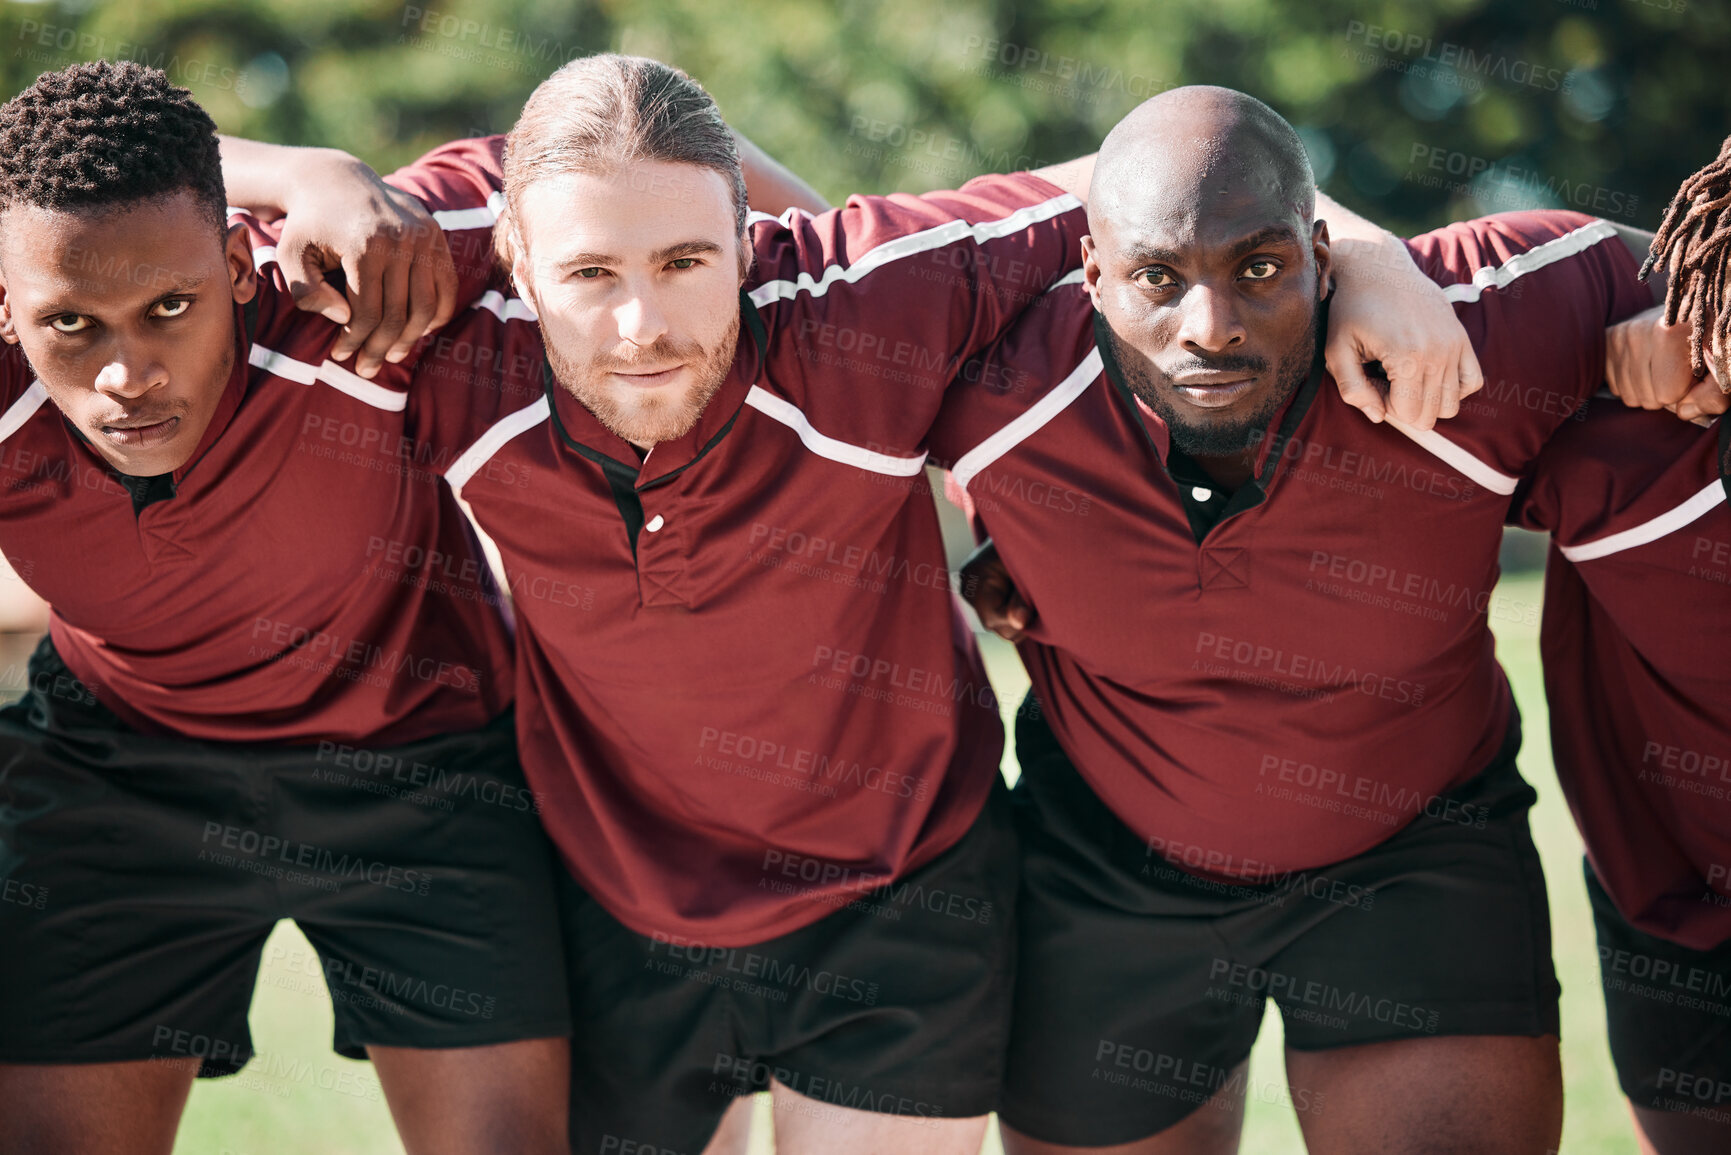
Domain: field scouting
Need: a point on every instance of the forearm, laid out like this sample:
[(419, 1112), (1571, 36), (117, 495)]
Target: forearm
[(1073, 176), (1362, 249), (1639, 242), (770, 186), (262, 178)]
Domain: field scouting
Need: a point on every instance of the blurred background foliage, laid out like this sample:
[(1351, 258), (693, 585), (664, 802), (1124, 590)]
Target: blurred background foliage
[(1415, 114)]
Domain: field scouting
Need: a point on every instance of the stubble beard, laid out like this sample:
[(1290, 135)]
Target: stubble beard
[(642, 417), (1215, 438)]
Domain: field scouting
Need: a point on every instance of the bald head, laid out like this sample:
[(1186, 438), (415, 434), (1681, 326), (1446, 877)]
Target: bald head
[(1207, 263), (1180, 152)]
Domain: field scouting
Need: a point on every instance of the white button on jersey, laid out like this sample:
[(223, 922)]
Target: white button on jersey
[(655, 523), (1201, 494)]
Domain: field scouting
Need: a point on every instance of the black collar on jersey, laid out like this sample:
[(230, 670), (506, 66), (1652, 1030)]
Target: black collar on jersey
[(147, 491), (1183, 470), (621, 475)]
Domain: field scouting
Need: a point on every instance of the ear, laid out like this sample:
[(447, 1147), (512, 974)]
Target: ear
[(8, 331), (747, 255), (513, 254), (520, 278), (1324, 259), (242, 276), (1091, 271)]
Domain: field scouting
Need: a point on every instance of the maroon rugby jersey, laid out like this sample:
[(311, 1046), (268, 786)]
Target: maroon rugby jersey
[(745, 690), (1314, 673), (303, 577), (1636, 633)]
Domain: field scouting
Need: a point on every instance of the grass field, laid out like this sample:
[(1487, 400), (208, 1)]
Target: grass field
[(298, 1096)]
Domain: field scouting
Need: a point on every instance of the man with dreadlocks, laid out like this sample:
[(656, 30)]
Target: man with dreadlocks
[(275, 684), (1636, 627)]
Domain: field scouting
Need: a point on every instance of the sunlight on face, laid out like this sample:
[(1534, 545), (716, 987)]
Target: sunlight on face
[(635, 275), (127, 317)]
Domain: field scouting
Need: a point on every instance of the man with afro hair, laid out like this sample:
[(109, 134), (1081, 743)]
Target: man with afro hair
[(276, 682)]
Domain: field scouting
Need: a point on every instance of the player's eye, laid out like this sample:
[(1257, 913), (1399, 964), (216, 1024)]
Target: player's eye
[(1156, 278), (683, 262), (1261, 270), (173, 307), (590, 273), (69, 323)]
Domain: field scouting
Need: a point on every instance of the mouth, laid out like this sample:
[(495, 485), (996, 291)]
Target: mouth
[(1213, 390), (641, 380), (142, 434)]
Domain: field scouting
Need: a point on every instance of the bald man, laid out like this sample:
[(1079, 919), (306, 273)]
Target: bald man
[(1269, 751)]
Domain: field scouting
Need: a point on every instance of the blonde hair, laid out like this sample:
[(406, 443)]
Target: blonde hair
[(598, 113)]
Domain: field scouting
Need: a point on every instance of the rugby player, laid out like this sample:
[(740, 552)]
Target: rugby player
[(766, 743), (1274, 753), (276, 681), (1635, 628)]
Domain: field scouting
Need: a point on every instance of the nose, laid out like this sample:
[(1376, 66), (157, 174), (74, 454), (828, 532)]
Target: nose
[(1211, 323), (130, 375), (640, 318)]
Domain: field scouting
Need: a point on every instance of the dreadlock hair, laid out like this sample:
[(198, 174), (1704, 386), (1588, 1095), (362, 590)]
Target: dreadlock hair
[(108, 133), (1692, 245)]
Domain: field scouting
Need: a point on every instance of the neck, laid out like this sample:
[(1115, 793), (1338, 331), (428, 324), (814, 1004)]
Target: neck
[(1228, 471)]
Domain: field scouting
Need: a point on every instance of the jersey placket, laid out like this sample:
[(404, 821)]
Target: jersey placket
[(645, 498)]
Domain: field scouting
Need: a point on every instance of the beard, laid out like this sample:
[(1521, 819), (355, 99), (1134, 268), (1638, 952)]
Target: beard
[(645, 417), (1220, 437)]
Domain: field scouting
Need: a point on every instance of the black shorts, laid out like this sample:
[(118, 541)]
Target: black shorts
[(898, 1003), (1141, 987), (1668, 1014), (140, 877)]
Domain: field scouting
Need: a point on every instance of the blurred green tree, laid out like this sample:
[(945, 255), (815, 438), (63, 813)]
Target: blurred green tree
[(1414, 113)]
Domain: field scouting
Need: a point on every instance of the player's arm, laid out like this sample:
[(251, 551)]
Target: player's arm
[(770, 186), (1648, 363), (399, 278), (988, 587), (1386, 310), (1647, 366)]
